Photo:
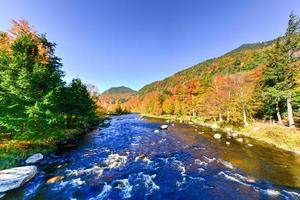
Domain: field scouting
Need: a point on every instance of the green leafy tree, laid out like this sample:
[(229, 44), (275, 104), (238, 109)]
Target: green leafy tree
[(77, 105)]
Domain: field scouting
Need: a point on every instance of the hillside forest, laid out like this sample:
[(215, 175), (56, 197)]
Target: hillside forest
[(258, 81)]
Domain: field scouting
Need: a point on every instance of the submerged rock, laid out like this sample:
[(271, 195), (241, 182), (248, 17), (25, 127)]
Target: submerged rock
[(164, 127), (55, 179), (228, 130), (235, 135), (214, 126), (240, 140), (34, 158), (16, 177)]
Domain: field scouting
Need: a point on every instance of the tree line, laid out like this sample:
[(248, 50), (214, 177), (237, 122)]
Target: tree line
[(35, 102)]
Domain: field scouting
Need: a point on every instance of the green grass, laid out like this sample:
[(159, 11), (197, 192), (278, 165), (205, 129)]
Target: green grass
[(15, 150), (280, 136)]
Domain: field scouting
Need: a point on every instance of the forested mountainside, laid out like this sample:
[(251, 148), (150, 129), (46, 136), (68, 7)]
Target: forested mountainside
[(119, 90), (110, 101), (258, 80)]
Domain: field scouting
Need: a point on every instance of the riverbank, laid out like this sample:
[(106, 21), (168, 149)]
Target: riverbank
[(279, 136), (13, 151)]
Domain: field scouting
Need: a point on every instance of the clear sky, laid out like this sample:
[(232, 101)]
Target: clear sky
[(135, 42)]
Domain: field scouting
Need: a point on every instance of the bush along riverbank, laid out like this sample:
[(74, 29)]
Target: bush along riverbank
[(279, 136)]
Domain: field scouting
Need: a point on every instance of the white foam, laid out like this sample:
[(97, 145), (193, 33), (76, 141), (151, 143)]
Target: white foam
[(125, 187), (272, 193), (209, 160), (104, 193), (235, 178), (200, 170), (148, 181), (115, 161), (226, 164), (82, 171), (77, 182), (294, 195), (200, 163)]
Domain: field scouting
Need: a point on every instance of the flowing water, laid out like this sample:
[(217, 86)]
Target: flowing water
[(129, 160)]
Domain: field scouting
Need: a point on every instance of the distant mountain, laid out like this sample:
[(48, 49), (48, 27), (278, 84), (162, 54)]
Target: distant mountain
[(113, 97), (119, 90)]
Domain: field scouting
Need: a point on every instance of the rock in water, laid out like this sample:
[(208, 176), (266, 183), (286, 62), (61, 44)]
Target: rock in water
[(55, 179), (164, 127), (156, 131), (214, 126), (240, 140), (16, 177), (217, 136), (34, 158)]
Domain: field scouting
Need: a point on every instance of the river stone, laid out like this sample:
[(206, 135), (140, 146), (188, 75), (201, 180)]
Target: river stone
[(217, 136), (16, 177), (240, 140), (214, 126), (34, 158), (156, 131), (55, 179), (227, 143), (164, 127)]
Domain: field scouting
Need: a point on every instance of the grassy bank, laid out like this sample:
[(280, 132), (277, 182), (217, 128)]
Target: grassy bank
[(13, 151), (281, 137)]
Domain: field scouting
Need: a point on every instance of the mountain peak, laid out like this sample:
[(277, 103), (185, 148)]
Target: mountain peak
[(119, 90)]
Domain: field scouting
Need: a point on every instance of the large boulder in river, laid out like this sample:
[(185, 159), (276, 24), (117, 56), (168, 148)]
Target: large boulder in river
[(34, 158), (16, 177), (164, 127)]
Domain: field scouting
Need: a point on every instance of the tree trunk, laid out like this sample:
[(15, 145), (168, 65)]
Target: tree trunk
[(278, 111), (290, 110), (227, 118), (245, 116), (69, 121), (220, 117)]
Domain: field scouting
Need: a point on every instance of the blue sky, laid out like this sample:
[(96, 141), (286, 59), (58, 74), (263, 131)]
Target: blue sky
[(135, 42)]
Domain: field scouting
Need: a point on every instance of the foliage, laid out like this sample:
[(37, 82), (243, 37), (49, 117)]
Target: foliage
[(36, 104), (239, 86)]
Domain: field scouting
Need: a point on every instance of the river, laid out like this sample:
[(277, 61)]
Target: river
[(127, 159)]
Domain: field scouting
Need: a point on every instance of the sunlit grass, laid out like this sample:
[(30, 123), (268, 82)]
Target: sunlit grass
[(280, 136)]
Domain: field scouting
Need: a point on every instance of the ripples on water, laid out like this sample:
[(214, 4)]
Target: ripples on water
[(128, 160)]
